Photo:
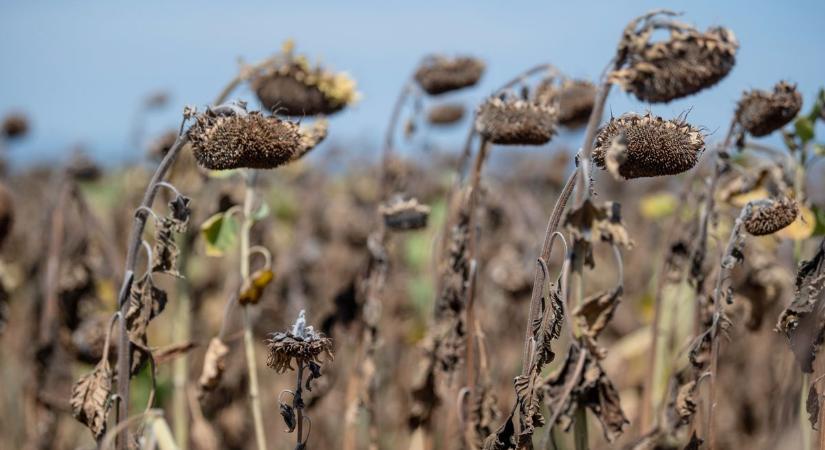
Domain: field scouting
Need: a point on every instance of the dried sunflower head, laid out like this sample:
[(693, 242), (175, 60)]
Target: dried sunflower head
[(15, 125), (312, 136), (770, 216), (401, 215), (654, 146), (295, 88), (682, 65), (230, 138), (302, 344), (511, 121), (445, 114), (440, 74), (575, 99), (761, 113)]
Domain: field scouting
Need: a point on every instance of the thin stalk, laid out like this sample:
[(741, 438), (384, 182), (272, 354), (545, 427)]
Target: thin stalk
[(139, 223), (249, 344), (717, 324), (298, 404), (580, 421), (180, 368)]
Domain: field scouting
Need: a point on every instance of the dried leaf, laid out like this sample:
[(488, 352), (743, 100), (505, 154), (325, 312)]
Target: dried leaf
[(180, 213), (695, 442), (214, 364), (253, 287), (314, 373), (90, 398), (165, 250), (288, 414), (685, 405), (812, 406), (597, 310), (502, 439)]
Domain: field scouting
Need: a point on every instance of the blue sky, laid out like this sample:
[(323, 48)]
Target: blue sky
[(80, 68)]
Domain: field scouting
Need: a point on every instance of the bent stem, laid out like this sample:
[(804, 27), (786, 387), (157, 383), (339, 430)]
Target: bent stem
[(249, 346), (139, 223)]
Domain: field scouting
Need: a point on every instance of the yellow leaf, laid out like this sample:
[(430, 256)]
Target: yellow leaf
[(657, 206), (802, 227), (253, 287)]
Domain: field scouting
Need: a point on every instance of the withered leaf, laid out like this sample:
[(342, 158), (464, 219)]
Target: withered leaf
[(694, 442), (90, 398), (253, 287), (593, 391), (214, 363), (547, 325), (145, 302), (686, 401), (424, 395), (288, 414), (179, 208), (812, 406), (502, 439), (165, 250), (597, 310), (798, 322), (314, 373)]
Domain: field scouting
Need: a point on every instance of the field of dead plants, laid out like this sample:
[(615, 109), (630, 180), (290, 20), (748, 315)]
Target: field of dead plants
[(656, 286)]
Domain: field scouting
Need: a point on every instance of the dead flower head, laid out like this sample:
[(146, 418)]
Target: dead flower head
[(440, 74), (653, 146), (770, 216), (401, 215), (302, 344), (761, 112), (15, 125), (445, 114), (511, 121), (575, 99), (312, 136), (684, 64), (227, 137), (296, 88)]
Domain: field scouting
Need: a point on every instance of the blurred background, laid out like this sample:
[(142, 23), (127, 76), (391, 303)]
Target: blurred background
[(80, 69)]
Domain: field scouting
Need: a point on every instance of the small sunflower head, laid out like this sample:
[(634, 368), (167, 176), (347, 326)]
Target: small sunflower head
[(445, 114), (439, 74), (682, 65), (761, 113), (15, 125), (229, 137), (512, 121), (302, 345), (770, 216), (575, 100), (402, 215), (652, 146), (295, 88)]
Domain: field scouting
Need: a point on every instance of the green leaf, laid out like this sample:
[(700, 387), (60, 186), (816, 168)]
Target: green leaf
[(819, 229), (219, 232), (819, 104), (804, 129), (262, 212)]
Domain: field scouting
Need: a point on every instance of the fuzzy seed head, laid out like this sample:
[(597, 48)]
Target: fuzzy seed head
[(516, 122), (771, 217), (761, 112), (302, 345), (654, 146), (575, 100), (221, 142), (439, 74), (686, 63)]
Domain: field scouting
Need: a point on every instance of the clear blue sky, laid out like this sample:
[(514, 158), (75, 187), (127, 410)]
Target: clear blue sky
[(80, 68)]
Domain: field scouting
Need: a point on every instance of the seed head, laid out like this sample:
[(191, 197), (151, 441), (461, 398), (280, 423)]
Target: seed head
[(445, 114), (512, 121), (15, 125), (686, 63), (401, 215), (440, 74), (301, 344), (771, 216), (761, 113), (223, 140), (295, 88), (575, 99), (654, 146)]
